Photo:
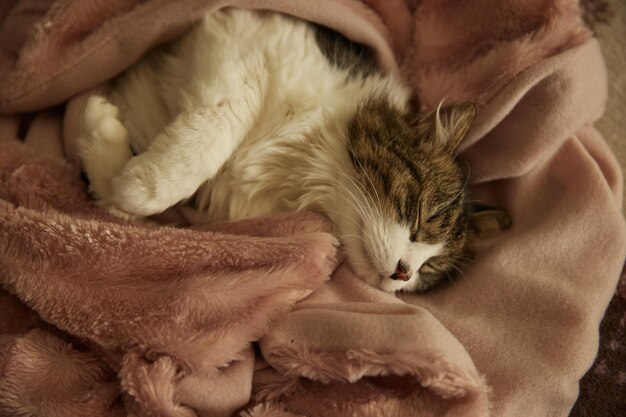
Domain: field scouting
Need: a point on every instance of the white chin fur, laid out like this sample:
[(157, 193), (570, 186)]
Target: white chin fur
[(390, 285), (385, 244)]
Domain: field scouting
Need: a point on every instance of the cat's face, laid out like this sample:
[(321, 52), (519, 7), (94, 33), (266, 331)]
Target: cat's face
[(406, 225)]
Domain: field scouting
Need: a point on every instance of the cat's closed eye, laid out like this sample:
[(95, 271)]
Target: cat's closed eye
[(434, 265), (433, 217), (428, 268)]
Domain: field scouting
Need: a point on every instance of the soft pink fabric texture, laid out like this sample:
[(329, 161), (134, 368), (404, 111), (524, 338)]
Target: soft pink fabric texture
[(107, 318)]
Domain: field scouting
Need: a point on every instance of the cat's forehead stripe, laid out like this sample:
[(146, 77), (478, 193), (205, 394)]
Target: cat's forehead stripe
[(408, 184), (374, 166), (407, 162)]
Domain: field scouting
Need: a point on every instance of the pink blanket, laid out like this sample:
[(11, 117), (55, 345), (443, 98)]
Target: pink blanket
[(106, 318)]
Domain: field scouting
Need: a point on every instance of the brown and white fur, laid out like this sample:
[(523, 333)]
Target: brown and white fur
[(255, 113)]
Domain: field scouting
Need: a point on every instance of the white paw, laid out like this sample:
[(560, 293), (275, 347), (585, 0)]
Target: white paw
[(101, 122), (140, 190), (96, 109), (103, 146), (114, 211)]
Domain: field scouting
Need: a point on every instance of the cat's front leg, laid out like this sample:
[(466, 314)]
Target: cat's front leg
[(189, 151)]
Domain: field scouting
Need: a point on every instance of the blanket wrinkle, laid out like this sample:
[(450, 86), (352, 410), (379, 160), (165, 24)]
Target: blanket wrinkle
[(599, 151), (483, 45), (346, 351), (555, 81), (172, 320), (353, 365), (104, 317)]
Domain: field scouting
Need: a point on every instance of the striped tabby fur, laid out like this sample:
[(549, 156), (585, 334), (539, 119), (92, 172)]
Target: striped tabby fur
[(412, 168)]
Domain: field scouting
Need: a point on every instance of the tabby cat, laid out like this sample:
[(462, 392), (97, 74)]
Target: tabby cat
[(253, 113)]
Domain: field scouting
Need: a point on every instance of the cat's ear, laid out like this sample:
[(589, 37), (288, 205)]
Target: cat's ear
[(486, 222), (447, 126)]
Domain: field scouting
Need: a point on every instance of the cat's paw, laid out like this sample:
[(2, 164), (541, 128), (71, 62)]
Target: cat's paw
[(101, 123), (103, 146), (115, 212), (141, 190), (97, 108)]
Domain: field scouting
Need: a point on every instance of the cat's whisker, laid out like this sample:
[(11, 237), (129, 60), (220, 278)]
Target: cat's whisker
[(464, 185), (466, 267), (354, 182), (463, 275), (366, 212), (357, 224), (466, 257), (380, 205), (368, 177), (398, 136), (451, 278), (346, 236), (360, 227), (456, 268), (354, 199)]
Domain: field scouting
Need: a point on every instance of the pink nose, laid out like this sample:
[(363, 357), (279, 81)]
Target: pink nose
[(402, 271)]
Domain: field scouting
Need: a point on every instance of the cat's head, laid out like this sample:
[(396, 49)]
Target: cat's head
[(404, 223)]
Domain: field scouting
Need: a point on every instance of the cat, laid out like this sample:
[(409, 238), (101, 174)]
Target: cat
[(253, 113)]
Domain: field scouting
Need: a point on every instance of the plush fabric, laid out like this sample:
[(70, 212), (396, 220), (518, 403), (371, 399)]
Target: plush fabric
[(107, 318), (603, 389)]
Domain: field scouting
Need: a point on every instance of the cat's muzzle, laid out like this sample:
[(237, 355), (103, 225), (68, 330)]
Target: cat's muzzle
[(403, 271)]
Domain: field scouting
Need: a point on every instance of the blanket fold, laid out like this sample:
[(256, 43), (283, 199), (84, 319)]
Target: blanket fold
[(368, 355), (142, 293), (104, 317)]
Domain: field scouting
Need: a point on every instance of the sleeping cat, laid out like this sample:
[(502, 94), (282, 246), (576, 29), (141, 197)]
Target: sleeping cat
[(254, 113)]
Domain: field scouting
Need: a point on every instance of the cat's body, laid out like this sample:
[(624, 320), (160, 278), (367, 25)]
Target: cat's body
[(258, 113)]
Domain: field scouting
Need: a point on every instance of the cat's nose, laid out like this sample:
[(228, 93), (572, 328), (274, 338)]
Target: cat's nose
[(402, 271)]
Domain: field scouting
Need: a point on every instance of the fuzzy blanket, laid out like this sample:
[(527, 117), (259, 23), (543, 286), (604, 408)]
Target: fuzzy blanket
[(602, 390), (104, 318)]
